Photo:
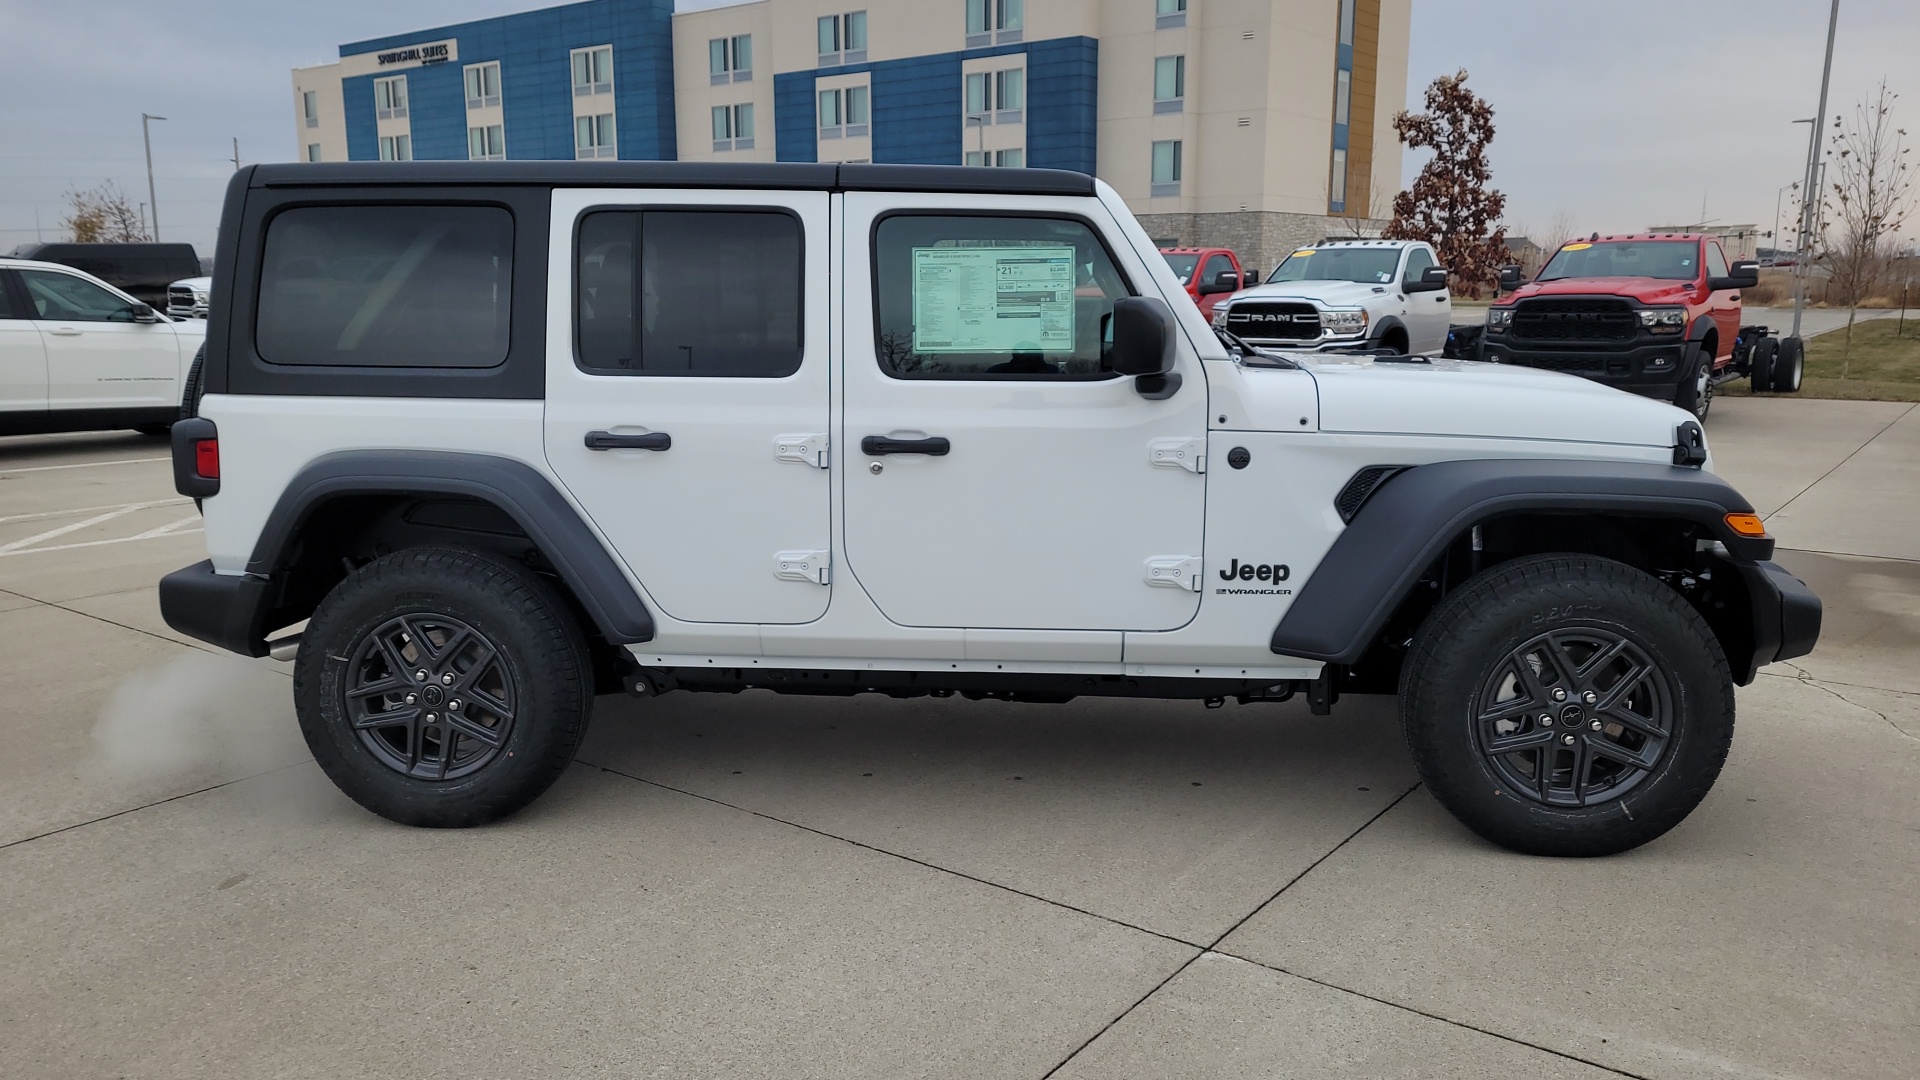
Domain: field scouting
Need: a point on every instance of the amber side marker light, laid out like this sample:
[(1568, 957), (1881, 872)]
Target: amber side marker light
[(1748, 525)]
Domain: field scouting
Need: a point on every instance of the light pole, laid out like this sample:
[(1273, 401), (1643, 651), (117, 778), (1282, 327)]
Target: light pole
[(147, 138), (979, 122), (1812, 188)]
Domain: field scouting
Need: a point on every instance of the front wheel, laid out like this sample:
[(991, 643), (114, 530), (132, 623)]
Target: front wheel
[(1567, 705), (443, 687), (1695, 392)]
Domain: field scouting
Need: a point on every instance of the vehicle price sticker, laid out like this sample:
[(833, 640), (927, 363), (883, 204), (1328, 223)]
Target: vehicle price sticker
[(993, 299)]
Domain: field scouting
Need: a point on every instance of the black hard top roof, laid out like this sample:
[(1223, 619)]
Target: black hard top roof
[(41, 251), (801, 176)]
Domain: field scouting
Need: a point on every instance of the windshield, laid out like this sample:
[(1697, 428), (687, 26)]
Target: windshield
[(1370, 266), (1668, 260), (1182, 266)]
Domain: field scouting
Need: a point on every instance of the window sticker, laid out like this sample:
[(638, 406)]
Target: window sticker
[(993, 299), (1582, 246)]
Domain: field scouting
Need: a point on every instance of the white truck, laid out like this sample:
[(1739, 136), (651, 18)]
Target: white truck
[(474, 446), (1344, 295), (77, 354)]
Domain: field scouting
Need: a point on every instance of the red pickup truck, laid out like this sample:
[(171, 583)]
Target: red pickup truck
[(1654, 314), (1208, 274)]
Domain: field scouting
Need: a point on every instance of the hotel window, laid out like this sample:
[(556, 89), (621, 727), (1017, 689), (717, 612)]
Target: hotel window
[(843, 38), (994, 22), (390, 98), (396, 148), (844, 112), (999, 159), (593, 71), (487, 142), (1166, 167), (593, 137), (483, 85), (313, 151), (1168, 14), (310, 107), (997, 97), (1346, 22), (730, 59), (1337, 184), (733, 127), (1169, 84), (1342, 96)]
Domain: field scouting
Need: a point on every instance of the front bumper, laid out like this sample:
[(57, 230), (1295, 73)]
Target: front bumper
[(1630, 366), (1786, 616), (228, 610)]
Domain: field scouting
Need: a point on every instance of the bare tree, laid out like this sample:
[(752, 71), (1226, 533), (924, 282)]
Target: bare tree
[(1367, 226), (102, 215), (1870, 195), (1450, 204)]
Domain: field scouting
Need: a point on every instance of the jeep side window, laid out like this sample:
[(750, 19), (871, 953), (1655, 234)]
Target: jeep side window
[(674, 318), (1417, 262), (992, 297), (386, 286)]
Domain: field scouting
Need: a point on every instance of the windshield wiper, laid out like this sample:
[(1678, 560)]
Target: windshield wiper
[(1250, 355)]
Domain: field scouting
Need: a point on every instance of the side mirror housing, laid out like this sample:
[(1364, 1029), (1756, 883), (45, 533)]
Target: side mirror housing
[(1224, 281), (1143, 343), (144, 313), (1432, 279), (1510, 277), (1744, 274), (1249, 277)]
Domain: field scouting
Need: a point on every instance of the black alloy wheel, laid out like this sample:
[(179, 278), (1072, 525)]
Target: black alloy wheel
[(429, 696), (1575, 717)]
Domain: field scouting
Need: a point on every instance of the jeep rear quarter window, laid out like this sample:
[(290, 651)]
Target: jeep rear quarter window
[(386, 286), (993, 297), (717, 293)]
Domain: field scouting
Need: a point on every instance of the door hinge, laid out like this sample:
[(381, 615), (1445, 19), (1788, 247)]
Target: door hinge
[(1174, 572), (1183, 453), (805, 449), (814, 566)]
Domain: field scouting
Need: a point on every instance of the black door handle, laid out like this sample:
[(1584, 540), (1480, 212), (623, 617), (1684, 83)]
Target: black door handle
[(878, 445), (607, 440)]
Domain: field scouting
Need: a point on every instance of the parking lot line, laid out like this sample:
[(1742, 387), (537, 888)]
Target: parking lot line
[(29, 541), (45, 514), (82, 465), (151, 534)]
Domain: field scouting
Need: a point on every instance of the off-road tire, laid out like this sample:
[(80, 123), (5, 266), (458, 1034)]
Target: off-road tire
[(1474, 633), (1789, 366), (1695, 392), (1760, 364), (542, 655)]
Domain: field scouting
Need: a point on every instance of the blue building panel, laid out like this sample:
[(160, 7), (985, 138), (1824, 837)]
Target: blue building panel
[(536, 81), (793, 128), (1062, 103)]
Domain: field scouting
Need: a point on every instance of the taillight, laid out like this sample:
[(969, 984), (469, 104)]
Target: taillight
[(206, 458)]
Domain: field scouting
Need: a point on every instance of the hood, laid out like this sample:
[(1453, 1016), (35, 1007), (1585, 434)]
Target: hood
[(1467, 398), (1642, 290), (1330, 293)]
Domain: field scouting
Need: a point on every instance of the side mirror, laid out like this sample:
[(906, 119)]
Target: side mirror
[(1224, 281), (144, 313), (1143, 336), (1510, 277), (1249, 277), (1432, 279), (1744, 274)]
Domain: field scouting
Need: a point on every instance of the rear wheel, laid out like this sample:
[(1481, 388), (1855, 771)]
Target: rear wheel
[(443, 687), (1567, 705), (1760, 364), (1789, 366)]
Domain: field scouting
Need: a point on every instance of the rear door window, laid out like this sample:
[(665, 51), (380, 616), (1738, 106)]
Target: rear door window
[(689, 293), (386, 286)]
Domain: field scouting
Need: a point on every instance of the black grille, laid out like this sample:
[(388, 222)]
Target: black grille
[(1575, 320), (1269, 321), (1361, 488), (1578, 365)]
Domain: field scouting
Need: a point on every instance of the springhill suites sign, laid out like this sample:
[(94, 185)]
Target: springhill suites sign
[(400, 58), (420, 55)]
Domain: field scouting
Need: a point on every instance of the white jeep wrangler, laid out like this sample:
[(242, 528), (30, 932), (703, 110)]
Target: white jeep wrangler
[(1384, 295), (475, 445)]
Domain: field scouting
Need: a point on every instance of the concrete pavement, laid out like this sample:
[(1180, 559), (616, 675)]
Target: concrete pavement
[(756, 886)]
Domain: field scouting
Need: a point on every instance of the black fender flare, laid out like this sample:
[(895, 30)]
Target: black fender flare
[(519, 490), (1378, 332), (1410, 519)]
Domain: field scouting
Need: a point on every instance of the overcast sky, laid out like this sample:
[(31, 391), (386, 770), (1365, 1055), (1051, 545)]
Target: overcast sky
[(1615, 115)]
